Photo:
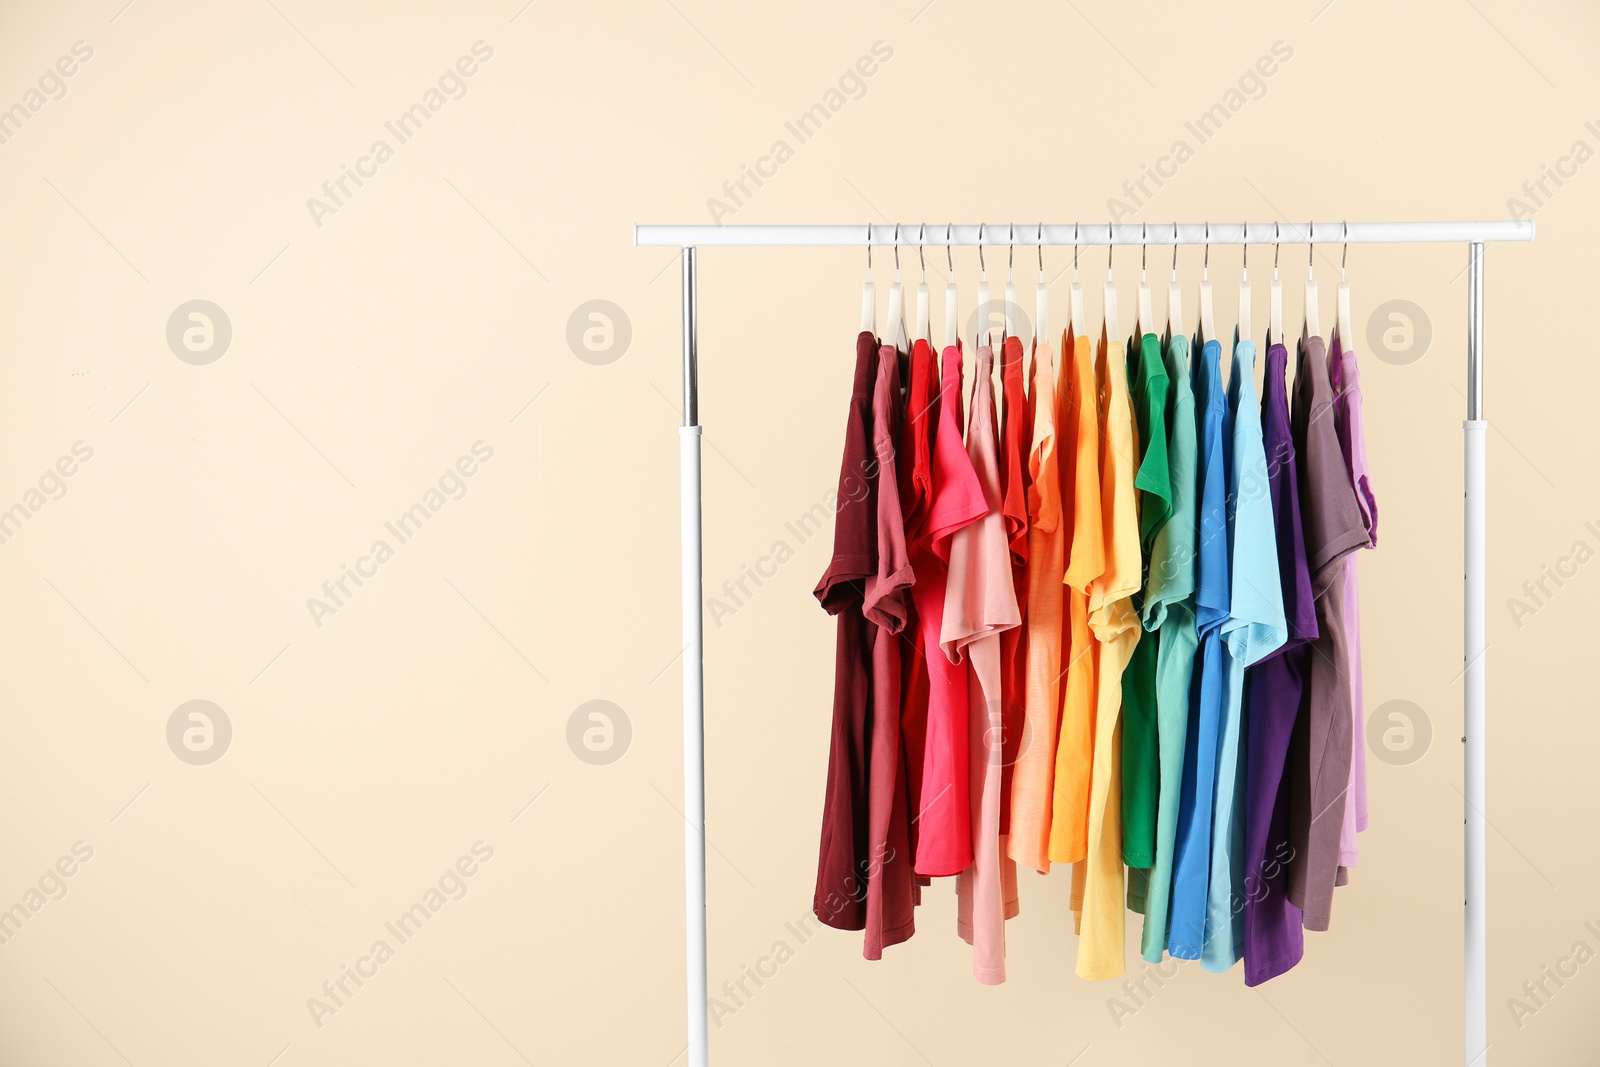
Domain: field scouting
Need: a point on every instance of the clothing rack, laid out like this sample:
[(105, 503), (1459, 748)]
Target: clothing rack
[(1475, 430)]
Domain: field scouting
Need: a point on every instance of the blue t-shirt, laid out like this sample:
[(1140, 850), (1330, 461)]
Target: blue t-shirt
[(1191, 872), (1255, 629)]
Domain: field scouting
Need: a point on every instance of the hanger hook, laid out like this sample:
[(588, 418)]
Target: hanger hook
[(949, 259), (1039, 247), (897, 251), (1144, 247), (1011, 247), (1074, 251), (869, 251), (1174, 251), (922, 231), (982, 270), (1311, 249), (1244, 250), (1344, 255), (1275, 248), (1205, 264)]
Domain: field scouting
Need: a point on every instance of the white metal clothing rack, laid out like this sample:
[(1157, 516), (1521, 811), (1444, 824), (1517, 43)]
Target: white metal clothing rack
[(1473, 234)]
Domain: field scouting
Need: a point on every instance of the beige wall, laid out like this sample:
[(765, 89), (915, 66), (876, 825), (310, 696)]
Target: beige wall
[(373, 346)]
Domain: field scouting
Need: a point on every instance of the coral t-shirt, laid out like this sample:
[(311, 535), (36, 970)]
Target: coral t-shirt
[(840, 896), (1034, 772), (944, 812), (980, 604)]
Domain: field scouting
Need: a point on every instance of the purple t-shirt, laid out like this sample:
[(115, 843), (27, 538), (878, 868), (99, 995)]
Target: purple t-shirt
[(1273, 942)]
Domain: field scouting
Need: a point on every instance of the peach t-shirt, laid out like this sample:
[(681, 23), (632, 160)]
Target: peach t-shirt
[(1078, 430), (980, 603), (1033, 774), (1116, 630)]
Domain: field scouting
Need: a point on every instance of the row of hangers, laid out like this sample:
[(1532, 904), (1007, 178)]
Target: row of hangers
[(1144, 323)]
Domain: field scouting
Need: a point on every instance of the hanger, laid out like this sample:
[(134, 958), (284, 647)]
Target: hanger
[(1145, 317), (922, 333), (1208, 320), (983, 337), (1174, 293), (869, 294), (1313, 327), (1041, 296), (1244, 283), (896, 324), (1075, 304), (952, 308), (1010, 290), (1275, 327), (1341, 326), (1111, 287)]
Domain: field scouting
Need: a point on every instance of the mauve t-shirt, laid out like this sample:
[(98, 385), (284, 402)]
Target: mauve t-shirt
[(840, 897), (1333, 529)]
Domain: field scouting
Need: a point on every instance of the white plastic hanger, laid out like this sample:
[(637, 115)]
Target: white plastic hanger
[(1041, 297), (1174, 293), (1341, 325), (922, 332), (1010, 289), (984, 310), (1075, 302), (1275, 323), (869, 293), (1313, 327), (952, 307), (895, 327), (1208, 319), (1146, 317), (1111, 330), (1244, 286)]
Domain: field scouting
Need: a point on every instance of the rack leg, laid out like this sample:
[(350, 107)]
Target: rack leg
[(1475, 944), (694, 762)]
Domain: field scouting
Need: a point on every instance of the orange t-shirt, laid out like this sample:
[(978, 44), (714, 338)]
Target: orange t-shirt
[(1078, 430)]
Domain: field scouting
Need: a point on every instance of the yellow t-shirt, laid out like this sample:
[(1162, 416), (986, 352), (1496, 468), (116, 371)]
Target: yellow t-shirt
[(1115, 628), (1078, 441)]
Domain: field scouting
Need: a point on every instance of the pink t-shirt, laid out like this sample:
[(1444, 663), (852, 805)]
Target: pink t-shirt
[(980, 604), (944, 810)]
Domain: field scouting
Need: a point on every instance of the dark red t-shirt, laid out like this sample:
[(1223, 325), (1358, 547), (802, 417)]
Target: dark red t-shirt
[(844, 859), (1016, 442)]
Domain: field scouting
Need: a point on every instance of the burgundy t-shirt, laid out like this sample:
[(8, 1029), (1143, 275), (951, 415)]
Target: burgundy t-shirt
[(844, 859)]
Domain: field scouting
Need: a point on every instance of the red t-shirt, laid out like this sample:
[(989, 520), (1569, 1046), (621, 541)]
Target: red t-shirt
[(844, 859), (1016, 443), (914, 468)]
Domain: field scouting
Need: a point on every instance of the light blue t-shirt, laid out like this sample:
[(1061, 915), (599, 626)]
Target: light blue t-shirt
[(1191, 881), (1255, 629)]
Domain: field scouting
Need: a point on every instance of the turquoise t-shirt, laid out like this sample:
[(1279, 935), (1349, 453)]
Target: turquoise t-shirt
[(1169, 610), (1191, 876), (1255, 629)]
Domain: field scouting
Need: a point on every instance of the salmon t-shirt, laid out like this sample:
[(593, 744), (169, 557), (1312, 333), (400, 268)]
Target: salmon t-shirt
[(1034, 772), (980, 604), (1078, 429), (1116, 629), (944, 812)]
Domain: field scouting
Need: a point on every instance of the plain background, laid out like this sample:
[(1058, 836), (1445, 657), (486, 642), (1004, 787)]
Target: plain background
[(431, 311)]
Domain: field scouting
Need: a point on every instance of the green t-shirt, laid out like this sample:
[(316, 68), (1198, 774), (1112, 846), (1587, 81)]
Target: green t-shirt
[(1141, 769)]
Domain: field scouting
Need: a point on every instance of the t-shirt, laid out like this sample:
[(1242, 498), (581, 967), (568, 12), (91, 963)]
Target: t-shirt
[(1333, 529), (1273, 940), (1016, 431), (1034, 772), (1116, 630), (1346, 381), (914, 470), (840, 896), (1255, 628), (891, 888), (1192, 870), (944, 812), (1169, 611), (1078, 430), (980, 604), (1141, 758)]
